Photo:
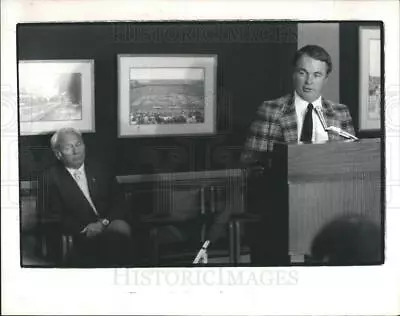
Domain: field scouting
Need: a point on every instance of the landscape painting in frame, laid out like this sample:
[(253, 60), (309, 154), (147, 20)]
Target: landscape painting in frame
[(370, 78), (54, 94), (166, 95)]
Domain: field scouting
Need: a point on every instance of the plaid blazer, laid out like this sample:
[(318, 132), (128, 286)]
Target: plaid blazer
[(277, 122)]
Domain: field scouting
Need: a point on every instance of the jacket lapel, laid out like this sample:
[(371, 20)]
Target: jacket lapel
[(289, 121), (330, 118), (91, 182), (68, 183)]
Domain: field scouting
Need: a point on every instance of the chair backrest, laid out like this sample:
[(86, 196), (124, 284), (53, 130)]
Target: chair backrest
[(182, 203), (28, 205), (180, 199), (185, 204)]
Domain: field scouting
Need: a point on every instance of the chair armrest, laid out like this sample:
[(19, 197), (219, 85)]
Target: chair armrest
[(52, 228), (163, 219), (245, 217)]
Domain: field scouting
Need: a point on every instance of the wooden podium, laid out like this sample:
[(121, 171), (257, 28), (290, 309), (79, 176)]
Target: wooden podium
[(310, 184)]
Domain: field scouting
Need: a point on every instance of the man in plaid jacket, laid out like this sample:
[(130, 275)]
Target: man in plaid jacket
[(281, 120), (289, 119)]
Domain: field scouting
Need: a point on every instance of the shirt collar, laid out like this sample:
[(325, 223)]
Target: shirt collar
[(301, 103), (80, 169)]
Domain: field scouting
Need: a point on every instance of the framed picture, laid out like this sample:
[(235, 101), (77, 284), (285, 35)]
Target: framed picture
[(161, 95), (55, 94), (370, 79)]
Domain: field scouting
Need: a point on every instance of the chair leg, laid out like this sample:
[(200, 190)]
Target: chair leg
[(154, 247), (67, 243), (232, 243), (237, 242), (43, 246)]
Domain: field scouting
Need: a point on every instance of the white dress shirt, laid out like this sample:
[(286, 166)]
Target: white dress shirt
[(319, 135), (79, 176)]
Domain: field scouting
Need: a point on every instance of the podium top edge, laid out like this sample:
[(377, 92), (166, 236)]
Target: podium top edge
[(334, 142)]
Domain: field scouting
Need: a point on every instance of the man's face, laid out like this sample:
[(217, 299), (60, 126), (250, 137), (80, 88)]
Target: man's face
[(309, 77), (71, 150)]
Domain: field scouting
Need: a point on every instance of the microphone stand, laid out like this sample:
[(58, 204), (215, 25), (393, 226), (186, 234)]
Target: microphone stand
[(333, 129)]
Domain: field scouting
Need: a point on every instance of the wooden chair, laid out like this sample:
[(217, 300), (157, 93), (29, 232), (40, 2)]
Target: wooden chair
[(205, 207), (175, 199), (240, 220), (55, 245), (178, 227), (52, 246)]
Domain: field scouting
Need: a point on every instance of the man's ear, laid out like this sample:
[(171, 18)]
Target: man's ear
[(57, 154), (326, 79)]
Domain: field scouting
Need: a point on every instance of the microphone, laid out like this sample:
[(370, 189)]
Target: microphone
[(333, 129), (321, 117), (341, 132)]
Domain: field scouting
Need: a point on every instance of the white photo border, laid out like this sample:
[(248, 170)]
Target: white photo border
[(319, 291)]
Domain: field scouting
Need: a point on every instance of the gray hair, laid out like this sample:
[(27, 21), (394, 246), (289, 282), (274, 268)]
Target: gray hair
[(54, 141)]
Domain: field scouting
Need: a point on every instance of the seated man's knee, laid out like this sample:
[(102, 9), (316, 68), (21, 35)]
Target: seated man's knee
[(120, 226)]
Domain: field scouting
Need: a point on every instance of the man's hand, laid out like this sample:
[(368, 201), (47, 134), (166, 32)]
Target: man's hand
[(93, 229)]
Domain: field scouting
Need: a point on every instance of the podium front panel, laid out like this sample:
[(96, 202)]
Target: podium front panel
[(328, 180)]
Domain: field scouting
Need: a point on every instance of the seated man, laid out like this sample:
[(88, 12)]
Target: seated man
[(85, 197)]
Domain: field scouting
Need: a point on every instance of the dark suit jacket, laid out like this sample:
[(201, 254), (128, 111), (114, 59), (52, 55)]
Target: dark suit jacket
[(66, 201)]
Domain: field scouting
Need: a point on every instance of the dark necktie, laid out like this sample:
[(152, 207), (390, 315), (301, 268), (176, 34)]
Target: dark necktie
[(306, 133)]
